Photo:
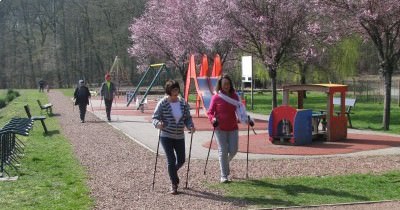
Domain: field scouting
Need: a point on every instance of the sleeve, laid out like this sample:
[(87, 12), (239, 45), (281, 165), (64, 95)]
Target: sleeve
[(114, 89), (211, 110), (189, 120), (88, 93), (75, 93), (157, 115), (102, 90)]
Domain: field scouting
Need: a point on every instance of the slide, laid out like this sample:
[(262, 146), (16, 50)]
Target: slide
[(204, 91), (213, 83)]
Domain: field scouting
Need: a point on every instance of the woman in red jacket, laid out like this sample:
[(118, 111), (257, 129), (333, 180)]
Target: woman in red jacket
[(222, 115)]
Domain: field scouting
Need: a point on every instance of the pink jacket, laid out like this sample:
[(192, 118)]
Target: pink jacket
[(224, 112)]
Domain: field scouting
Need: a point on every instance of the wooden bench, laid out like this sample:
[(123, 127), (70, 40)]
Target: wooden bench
[(34, 118), (349, 103), (47, 107)]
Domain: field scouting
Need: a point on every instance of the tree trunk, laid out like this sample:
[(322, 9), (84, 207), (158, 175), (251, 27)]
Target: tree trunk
[(272, 75), (303, 71), (387, 101), (29, 45)]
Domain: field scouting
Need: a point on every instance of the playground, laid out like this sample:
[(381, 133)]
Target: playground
[(357, 141), (286, 131)]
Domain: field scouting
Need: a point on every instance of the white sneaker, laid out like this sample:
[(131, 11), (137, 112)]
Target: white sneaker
[(224, 180)]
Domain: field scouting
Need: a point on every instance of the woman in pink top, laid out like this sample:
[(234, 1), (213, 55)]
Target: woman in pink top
[(222, 116)]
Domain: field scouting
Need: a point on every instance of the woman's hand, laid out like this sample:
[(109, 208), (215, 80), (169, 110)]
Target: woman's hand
[(160, 125), (215, 122)]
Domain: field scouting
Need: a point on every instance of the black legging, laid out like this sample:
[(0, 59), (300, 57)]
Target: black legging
[(108, 104), (82, 111)]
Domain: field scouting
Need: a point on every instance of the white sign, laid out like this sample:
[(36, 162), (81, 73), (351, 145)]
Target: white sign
[(247, 68)]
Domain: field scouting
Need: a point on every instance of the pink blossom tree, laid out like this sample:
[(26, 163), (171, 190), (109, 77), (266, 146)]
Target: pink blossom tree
[(378, 21), (268, 29), (171, 30)]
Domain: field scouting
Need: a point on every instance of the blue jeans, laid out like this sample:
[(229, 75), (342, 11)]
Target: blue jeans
[(227, 149), (174, 163)]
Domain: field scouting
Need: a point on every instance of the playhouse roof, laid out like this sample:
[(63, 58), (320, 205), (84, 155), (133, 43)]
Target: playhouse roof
[(317, 87)]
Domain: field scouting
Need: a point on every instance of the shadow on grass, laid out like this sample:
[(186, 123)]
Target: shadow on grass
[(54, 115), (51, 133), (291, 190), (213, 196)]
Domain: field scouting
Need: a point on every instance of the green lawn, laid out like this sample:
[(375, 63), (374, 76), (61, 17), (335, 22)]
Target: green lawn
[(366, 115), (303, 191), (50, 176)]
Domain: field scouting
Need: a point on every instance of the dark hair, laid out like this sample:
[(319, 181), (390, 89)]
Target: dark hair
[(219, 83), (169, 85)]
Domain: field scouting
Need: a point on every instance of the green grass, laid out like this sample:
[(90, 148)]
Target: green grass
[(366, 115), (50, 176), (302, 191)]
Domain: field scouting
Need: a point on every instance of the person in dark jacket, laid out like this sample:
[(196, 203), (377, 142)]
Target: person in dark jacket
[(171, 116), (107, 92), (82, 96)]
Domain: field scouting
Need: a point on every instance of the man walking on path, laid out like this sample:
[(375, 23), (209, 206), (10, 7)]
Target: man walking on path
[(81, 96), (107, 92)]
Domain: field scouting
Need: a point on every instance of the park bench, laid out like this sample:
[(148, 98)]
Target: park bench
[(35, 118), (11, 148), (47, 107), (350, 103)]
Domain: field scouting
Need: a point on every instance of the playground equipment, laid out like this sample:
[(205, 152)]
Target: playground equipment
[(299, 126), (280, 125), (118, 73), (205, 85), (161, 67)]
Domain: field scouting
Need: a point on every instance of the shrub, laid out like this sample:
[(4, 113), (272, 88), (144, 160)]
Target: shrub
[(11, 95), (2, 103)]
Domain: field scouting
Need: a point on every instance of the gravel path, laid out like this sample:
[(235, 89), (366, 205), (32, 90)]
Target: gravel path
[(120, 171)]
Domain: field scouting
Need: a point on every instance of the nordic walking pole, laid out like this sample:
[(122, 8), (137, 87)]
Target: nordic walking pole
[(190, 152), (101, 101), (209, 148), (155, 165), (248, 142)]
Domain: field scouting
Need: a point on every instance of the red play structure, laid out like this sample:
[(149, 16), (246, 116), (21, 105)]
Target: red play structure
[(205, 84), (299, 126)]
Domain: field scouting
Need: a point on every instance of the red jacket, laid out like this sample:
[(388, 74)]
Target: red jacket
[(224, 112)]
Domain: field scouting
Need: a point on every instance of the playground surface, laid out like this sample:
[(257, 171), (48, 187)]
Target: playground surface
[(357, 143)]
